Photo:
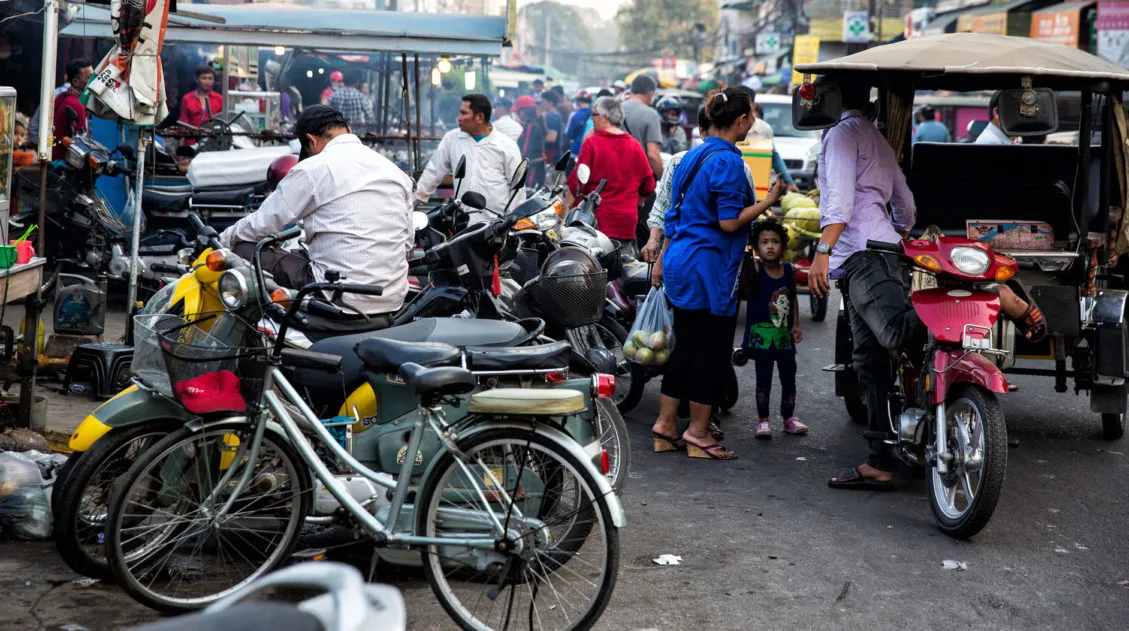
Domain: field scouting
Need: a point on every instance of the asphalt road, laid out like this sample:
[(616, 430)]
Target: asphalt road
[(766, 545)]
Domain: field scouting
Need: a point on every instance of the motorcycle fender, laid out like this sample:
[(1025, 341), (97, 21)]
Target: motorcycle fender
[(946, 312), (952, 367), (563, 440), (128, 407)]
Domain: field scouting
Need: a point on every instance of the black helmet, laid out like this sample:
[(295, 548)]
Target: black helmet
[(569, 262), (671, 109)]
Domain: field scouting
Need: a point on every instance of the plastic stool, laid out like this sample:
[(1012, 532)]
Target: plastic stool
[(105, 361)]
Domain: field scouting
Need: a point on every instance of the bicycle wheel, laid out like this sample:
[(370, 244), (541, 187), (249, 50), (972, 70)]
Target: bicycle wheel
[(556, 567), (82, 499), (164, 541)]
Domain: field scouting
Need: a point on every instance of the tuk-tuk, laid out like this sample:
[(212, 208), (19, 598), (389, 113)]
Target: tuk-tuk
[(1056, 209)]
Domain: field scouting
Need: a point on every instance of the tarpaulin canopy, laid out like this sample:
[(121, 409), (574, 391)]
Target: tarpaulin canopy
[(973, 61), (321, 29)]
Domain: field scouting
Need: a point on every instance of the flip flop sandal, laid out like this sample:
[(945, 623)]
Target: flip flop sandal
[(715, 429), (795, 427), (852, 479), (667, 443), (709, 452), (1032, 322)]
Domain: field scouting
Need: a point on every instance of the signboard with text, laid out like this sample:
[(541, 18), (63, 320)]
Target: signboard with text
[(1061, 27), (856, 27), (1113, 32), (805, 50)]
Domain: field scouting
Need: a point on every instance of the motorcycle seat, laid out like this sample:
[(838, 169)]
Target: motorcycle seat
[(527, 401), (318, 327), (437, 381), (222, 196), (387, 356), (153, 199), (543, 357)]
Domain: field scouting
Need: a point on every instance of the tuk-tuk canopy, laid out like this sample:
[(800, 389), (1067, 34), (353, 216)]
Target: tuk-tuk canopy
[(334, 30), (975, 61)]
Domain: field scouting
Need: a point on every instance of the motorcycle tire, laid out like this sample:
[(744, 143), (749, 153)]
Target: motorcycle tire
[(984, 409), (818, 308), (78, 536), (637, 383), (61, 475), (614, 438), (1113, 426), (856, 410)]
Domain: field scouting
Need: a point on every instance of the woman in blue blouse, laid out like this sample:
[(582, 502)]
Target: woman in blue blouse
[(706, 230)]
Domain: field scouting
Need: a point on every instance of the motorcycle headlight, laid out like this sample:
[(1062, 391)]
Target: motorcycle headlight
[(76, 155), (233, 289), (546, 219), (971, 261)]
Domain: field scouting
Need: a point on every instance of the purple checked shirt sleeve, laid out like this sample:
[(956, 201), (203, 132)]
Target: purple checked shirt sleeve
[(858, 176)]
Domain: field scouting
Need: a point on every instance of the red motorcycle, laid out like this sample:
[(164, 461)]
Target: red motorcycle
[(944, 414)]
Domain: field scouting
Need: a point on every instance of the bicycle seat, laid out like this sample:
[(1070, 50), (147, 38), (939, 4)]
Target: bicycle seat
[(527, 401), (382, 355), (438, 381), (541, 357)]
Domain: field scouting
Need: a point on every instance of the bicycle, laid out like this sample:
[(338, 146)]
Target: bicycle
[(501, 513)]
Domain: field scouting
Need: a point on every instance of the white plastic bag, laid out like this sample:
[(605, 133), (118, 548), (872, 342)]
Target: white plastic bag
[(652, 335)]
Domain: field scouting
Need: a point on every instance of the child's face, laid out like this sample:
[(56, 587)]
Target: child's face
[(769, 247), (20, 136)]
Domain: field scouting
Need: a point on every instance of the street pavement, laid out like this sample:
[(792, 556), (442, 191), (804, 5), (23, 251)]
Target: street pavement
[(765, 544)]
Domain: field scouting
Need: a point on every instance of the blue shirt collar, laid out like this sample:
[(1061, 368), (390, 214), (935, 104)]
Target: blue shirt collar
[(721, 143)]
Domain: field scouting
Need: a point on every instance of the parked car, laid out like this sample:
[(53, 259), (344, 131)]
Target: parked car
[(799, 149)]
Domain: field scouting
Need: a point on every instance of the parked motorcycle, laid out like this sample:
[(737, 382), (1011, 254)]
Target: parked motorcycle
[(944, 414)]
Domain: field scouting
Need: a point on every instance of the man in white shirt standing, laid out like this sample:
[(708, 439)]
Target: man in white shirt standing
[(355, 206), (504, 119), (993, 134), (491, 158)]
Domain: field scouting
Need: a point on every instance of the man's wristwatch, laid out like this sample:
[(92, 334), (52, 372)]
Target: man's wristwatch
[(823, 248)]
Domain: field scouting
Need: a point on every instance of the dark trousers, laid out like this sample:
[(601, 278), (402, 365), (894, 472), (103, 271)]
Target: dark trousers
[(288, 269), (785, 360), (876, 290), (698, 363)]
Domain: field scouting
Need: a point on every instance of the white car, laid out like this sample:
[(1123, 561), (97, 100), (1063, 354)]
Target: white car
[(799, 149)]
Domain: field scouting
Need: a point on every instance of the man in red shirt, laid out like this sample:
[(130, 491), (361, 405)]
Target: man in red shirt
[(613, 155), (336, 80), (202, 103), (70, 114)]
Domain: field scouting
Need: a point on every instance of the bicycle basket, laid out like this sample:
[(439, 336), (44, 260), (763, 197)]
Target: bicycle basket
[(206, 372), (570, 301)]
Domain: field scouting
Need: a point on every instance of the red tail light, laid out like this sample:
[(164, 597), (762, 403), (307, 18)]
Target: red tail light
[(605, 385), (605, 462), (556, 377)]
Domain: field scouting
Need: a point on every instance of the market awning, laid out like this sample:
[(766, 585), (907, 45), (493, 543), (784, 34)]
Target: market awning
[(1008, 18), (321, 29), (1061, 23)]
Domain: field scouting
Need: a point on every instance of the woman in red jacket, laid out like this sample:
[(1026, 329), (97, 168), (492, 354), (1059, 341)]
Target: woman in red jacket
[(614, 155)]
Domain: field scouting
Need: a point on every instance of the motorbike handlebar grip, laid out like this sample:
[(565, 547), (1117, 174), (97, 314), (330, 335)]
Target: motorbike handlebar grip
[(364, 290), (285, 235), (165, 268), (298, 358), (883, 246), (600, 186)]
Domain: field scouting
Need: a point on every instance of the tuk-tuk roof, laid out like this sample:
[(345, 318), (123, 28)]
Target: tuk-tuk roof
[(968, 61)]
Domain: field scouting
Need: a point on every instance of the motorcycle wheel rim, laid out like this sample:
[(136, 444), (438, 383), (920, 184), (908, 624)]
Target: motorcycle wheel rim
[(955, 493)]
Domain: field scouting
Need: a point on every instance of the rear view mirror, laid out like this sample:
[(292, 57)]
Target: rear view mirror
[(564, 162), (460, 168), (520, 174), (420, 220), (126, 150), (1028, 111), (474, 199), (821, 109), (583, 173)]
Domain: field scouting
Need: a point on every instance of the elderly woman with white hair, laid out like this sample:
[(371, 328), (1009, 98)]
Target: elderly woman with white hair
[(613, 155)]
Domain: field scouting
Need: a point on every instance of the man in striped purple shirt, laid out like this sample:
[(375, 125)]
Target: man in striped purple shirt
[(858, 176)]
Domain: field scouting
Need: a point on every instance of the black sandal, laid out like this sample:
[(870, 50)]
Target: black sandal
[(1031, 324), (854, 479)]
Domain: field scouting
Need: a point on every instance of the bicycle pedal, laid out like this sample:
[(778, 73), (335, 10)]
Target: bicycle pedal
[(313, 554)]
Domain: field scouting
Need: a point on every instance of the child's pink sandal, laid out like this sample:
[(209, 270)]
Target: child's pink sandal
[(764, 430), (794, 426)]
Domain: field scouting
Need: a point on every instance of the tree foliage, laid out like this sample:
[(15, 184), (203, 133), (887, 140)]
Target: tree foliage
[(665, 28)]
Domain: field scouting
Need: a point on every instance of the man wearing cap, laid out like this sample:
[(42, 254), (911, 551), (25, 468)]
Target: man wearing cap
[(491, 158), (336, 81), (351, 102), (504, 121), (355, 207)]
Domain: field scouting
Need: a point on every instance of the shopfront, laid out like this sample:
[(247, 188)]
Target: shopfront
[(1070, 24), (1006, 18)]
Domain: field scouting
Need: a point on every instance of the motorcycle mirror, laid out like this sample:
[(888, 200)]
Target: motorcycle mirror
[(474, 199), (126, 150), (518, 180), (583, 173), (565, 161), (460, 168), (420, 220)]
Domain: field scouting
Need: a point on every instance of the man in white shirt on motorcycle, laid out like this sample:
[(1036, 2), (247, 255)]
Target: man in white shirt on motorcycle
[(355, 206), (491, 159)]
